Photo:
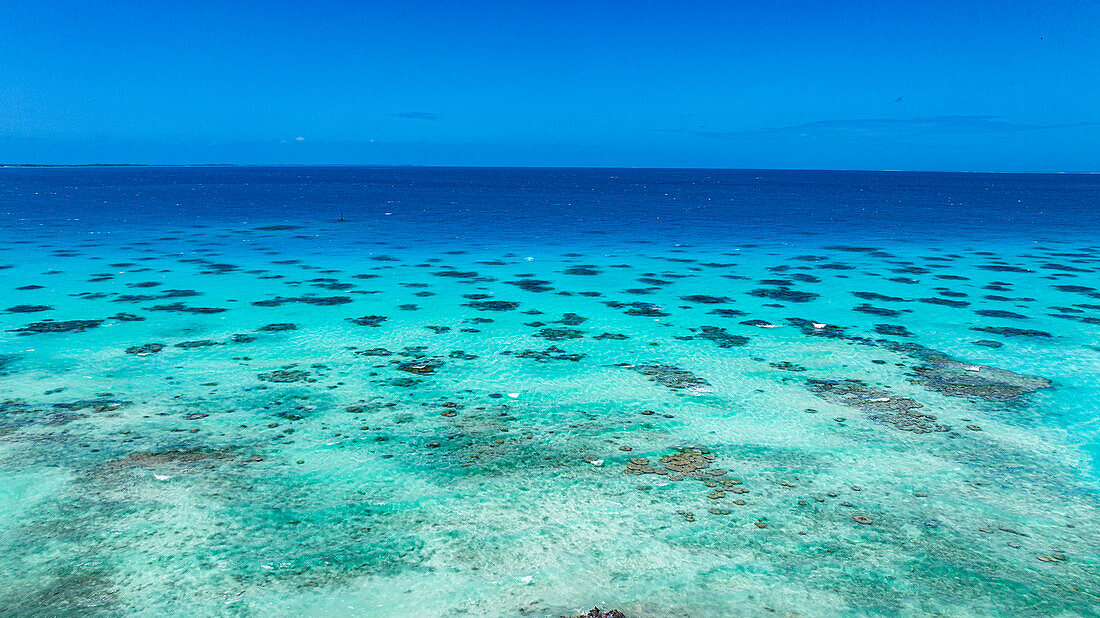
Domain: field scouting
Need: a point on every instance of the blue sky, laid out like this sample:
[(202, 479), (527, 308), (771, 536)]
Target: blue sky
[(979, 85)]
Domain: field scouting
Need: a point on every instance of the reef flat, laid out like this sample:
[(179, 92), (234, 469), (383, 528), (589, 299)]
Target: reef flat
[(261, 409)]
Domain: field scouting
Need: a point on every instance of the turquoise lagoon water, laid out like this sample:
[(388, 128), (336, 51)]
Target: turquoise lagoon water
[(532, 392)]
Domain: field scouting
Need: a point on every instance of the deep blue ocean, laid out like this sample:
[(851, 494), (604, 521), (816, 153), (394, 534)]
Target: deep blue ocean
[(480, 392), (502, 205)]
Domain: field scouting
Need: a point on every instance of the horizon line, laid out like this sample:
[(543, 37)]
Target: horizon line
[(594, 167)]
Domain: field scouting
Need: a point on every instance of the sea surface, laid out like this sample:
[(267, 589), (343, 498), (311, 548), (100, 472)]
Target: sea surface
[(334, 391)]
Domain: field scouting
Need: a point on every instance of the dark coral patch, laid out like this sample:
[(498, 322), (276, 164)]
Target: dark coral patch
[(894, 330), (571, 319), (309, 300), (784, 294), (283, 376), (706, 300), (1009, 331), (126, 317), (374, 352), (670, 376), (943, 374), (988, 343), (145, 349), (552, 353), (492, 305), (945, 302), (879, 405), (28, 309), (49, 326), (997, 313), (648, 310), (531, 285), (879, 311), (879, 297), (368, 320), (421, 366), (560, 334), (720, 337), (581, 270), (183, 308), (277, 327), (727, 313), (198, 343)]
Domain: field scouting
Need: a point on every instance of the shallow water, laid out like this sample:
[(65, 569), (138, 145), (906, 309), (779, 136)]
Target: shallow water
[(502, 392)]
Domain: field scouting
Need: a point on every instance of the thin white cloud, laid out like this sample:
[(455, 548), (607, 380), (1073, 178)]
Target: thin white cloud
[(898, 128)]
